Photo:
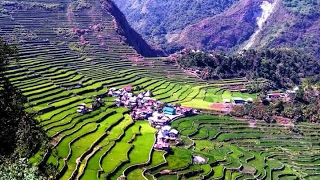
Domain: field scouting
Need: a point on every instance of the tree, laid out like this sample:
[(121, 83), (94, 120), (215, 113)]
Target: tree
[(21, 169), (20, 134)]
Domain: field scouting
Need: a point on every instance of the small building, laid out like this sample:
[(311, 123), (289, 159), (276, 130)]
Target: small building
[(166, 129), (128, 88), (290, 95), (140, 95), (162, 146), (187, 111), (169, 110), (198, 160), (238, 101), (296, 88), (117, 102), (250, 100), (90, 108), (155, 121), (82, 108), (148, 94), (173, 134), (110, 93), (117, 93), (273, 96)]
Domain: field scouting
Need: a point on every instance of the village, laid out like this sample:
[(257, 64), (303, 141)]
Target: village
[(160, 115)]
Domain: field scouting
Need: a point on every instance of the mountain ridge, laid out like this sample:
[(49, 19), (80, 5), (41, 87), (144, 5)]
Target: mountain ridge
[(292, 24)]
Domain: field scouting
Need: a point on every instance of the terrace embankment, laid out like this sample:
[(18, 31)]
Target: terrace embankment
[(57, 73)]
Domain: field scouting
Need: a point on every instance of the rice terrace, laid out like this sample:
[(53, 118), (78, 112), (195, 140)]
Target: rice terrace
[(75, 67)]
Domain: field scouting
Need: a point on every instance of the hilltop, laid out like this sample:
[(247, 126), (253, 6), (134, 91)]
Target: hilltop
[(227, 25)]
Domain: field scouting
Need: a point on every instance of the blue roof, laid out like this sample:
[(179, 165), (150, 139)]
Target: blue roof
[(169, 109)]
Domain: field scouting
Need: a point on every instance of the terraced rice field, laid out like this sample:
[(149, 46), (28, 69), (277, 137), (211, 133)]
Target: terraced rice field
[(107, 143), (234, 150)]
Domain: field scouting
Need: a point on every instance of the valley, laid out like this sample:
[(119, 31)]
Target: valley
[(73, 53)]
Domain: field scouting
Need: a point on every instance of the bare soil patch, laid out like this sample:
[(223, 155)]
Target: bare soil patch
[(222, 107)]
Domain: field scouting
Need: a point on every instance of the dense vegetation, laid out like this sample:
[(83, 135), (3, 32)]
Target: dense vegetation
[(156, 20), (300, 28), (20, 135), (304, 108), (214, 25), (283, 67), (305, 8), (106, 143)]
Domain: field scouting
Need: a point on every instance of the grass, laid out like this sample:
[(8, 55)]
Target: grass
[(136, 174), (157, 158), (181, 158), (217, 171), (143, 144)]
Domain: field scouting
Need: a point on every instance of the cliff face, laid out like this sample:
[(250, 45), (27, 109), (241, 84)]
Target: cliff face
[(131, 36)]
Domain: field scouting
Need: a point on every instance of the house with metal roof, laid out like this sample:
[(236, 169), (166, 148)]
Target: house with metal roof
[(169, 110), (238, 101)]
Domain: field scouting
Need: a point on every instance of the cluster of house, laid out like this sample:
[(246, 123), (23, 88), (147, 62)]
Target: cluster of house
[(82, 108), (144, 107), (165, 135), (286, 96)]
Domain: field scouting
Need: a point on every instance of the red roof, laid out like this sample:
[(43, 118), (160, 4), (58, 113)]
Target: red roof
[(275, 94), (144, 109), (128, 88)]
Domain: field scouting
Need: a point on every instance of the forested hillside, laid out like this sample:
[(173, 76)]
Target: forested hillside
[(161, 21), (226, 25), (283, 67), (20, 134)]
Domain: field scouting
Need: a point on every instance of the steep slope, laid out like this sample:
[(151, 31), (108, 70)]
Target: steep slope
[(161, 21), (231, 25), (223, 31), (258, 24), (86, 21), (267, 10), (132, 37), (293, 24)]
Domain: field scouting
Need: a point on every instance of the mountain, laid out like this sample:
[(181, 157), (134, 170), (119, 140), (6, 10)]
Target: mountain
[(227, 25), (161, 21), (84, 22)]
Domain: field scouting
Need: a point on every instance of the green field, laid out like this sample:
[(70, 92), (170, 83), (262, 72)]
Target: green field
[(107, 143)]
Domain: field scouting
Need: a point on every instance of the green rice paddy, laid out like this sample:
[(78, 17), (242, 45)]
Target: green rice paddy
[(106, 143)]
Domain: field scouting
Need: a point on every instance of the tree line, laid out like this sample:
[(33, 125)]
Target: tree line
[(281, 67), (20, 134), (304, 108)]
